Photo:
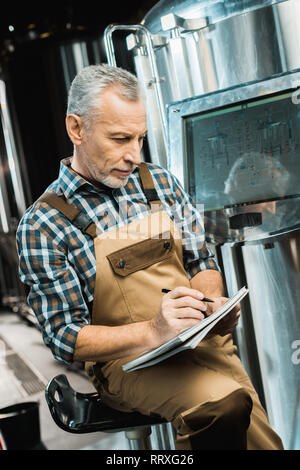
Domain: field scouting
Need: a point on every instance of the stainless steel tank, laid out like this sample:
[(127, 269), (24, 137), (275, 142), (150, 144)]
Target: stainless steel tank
[(188, 48), (236, 151), (221, 80), (14, 198), (24, 174)]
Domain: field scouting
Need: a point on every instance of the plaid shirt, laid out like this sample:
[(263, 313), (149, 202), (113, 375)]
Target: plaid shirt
[(57, 261)]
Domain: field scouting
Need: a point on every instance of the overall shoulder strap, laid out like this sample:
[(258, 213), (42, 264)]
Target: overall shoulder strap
[(81, 221), (77, 218), (148, 185)]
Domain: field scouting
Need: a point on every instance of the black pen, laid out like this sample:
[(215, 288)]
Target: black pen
[(203, 300)]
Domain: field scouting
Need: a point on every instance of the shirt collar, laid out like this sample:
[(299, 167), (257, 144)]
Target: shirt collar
[(70, 181)]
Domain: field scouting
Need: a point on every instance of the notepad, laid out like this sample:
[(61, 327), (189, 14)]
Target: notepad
[(187, 339)]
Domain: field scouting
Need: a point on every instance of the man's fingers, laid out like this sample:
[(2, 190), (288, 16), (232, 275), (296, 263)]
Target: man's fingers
[(188, 301), (182, 291), (188, 312), (184, 323)]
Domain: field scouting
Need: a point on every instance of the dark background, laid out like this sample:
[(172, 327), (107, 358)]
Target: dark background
[(31, 36)]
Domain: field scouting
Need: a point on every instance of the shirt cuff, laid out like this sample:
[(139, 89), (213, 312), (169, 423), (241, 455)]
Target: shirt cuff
[(201, 265), (63, 342)]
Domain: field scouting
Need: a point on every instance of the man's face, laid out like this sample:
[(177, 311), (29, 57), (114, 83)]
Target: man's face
[(110, 150)]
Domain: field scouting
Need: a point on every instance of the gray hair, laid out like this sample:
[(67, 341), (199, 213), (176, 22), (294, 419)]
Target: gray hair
[(85, 92)]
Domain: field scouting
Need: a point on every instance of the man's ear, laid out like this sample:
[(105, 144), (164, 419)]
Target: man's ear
[(74, 128)]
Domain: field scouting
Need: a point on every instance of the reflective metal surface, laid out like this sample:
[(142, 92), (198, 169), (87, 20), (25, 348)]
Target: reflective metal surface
[(29, 160), (272, 190), (228, 72), (232, 151), (215, 10), (12, 183), (272, 274), (150, 84), (205, 46), (296, 425), (14, 198), (163, 437), (77, 54)]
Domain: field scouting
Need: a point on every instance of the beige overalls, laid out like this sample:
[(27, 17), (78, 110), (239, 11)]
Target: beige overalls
[(204, 392)]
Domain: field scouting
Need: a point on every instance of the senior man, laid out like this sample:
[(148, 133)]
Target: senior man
[(95, 251)]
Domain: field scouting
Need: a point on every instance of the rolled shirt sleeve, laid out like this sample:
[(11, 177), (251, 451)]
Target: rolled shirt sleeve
[(55, 293)]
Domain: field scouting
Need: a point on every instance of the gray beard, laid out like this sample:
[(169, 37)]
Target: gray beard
[(107, 180)]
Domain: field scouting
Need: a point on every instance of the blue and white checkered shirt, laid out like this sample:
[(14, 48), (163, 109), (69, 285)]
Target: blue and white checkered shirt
[(57, 261)]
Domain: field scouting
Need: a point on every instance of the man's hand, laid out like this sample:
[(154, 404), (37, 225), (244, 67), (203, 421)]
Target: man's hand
[(180, 308), (211, 283), (229, 322)]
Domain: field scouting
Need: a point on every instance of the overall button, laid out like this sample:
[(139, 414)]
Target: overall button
[(167, 245), (122, 263)]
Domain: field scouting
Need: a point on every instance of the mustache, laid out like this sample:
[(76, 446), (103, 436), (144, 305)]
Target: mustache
[(127, 169)]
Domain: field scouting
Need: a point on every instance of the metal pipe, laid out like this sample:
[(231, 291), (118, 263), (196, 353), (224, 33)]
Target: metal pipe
[(11, 151), (139, 438), (110, 53)]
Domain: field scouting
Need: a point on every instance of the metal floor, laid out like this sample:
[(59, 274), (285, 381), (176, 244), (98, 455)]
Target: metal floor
[(26, 366)]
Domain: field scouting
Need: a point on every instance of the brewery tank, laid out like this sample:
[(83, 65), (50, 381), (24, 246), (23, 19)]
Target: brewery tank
[(221, 80)]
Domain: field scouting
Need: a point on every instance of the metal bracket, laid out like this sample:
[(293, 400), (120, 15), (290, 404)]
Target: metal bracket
[(175, 22), (135, 41)]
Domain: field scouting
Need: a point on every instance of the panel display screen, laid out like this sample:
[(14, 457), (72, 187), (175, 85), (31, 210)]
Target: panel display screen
[(245, 153)]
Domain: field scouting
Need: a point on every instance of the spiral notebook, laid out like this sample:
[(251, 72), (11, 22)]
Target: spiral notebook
[(187, 339)]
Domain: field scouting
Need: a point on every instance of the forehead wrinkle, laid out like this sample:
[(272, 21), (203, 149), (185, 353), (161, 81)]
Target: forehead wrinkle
[(126, 123), (115, 105)]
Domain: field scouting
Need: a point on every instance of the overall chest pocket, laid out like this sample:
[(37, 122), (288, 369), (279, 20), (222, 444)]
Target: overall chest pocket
[(141, 255), (142, 269)]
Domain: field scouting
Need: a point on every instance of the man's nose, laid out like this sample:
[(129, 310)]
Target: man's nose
[(133, 153)]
